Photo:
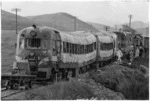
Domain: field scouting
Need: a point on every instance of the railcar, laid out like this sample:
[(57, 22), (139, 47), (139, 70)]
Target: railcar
[(115, 40), (43, 51), (105, 48), (125, 40)]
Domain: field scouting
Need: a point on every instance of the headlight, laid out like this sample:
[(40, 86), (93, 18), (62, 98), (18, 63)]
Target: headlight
[(33, 33)]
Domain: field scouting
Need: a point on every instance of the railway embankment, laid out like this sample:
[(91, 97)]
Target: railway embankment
[(131, 82), (112, 82)]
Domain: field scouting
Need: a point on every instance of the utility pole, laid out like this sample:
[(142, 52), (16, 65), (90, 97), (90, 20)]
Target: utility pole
[(75, 23), (16, 10), (130, 17), (106, 28)]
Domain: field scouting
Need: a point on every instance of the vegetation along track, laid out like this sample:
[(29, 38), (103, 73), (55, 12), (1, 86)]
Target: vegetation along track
[(6, 94)]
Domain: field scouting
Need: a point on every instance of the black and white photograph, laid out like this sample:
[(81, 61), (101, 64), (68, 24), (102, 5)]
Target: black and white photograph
[(75, 50)]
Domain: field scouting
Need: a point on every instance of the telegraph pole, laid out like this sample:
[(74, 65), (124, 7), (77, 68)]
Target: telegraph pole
[(16, 10), (75, 23), (130, 17), (106, 28)]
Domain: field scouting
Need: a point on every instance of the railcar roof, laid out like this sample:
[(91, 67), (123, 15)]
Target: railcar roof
[(78, 37)]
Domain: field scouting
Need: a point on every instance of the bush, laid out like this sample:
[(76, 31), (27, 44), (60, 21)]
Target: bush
[(61, 91), (130, 82)]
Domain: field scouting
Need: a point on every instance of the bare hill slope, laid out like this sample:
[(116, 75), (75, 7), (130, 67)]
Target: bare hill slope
[(62, 21), (9, 21)]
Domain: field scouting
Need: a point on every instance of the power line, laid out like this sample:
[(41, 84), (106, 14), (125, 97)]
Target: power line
[(16, 10)]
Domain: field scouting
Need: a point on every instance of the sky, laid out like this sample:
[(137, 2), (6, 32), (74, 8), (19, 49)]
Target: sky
[(108, 12)]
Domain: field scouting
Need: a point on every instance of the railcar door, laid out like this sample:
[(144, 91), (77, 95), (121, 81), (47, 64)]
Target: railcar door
[(56, 43)]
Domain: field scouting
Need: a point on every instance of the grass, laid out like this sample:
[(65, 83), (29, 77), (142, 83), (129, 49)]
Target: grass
[(8, 50), (61, 91), (141, 61), (130, 82)]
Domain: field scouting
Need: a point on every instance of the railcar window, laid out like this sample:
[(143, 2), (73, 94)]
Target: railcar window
[(21, 43), (78, 49), (88, 49), (33, 43), (70, 48), (67, 47), (64, 47), (92, 47), (58, 46), (82, 49), (85, 49), (75, 48), (54, 47), (106, 46)]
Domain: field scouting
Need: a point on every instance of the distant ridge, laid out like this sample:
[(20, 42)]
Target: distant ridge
[(61, 21), (9, 21)]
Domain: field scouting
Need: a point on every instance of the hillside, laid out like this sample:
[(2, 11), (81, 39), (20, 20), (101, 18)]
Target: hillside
[(100, 26), (143, 31), (139, 24), (9, 21), (62, 21)]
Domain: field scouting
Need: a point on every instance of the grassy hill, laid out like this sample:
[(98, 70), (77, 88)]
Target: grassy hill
[(139, 24), (62, 21), (9, 21)]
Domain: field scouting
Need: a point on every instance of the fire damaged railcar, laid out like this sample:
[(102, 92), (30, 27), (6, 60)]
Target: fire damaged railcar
[(125, 41), (47, 54)]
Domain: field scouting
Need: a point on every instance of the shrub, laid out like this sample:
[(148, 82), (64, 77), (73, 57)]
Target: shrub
[(61, 91)]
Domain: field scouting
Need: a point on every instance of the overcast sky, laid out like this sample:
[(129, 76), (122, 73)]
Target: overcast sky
[(104, 12)]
